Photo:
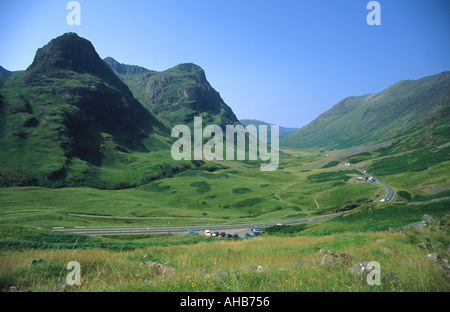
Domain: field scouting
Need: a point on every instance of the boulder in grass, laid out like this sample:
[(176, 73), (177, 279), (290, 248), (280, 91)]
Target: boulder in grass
[(334, 258), (428, 219)]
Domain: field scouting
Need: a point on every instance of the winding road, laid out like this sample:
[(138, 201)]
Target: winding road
[(390, 192)]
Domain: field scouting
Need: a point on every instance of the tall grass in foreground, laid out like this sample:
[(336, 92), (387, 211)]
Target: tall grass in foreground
[(278, 264)]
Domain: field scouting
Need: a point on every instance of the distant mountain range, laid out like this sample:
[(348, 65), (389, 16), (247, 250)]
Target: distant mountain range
[(73, 119), (402, 109), (283, 130)]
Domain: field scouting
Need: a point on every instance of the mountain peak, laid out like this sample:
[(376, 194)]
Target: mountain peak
[(68, 51), (190, 69), (74, 53)]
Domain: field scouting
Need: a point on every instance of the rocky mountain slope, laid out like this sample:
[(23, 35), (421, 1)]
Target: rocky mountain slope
[(67, 115), (177, 95)]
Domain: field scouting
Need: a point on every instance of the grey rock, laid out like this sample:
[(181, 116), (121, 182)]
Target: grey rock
[(220, 273), (260, 269), (249, 268), (161, 268), (416, 225), (15, 288), (428, 219), (335, 259), (434, 257), (301, 264), (359, 268)]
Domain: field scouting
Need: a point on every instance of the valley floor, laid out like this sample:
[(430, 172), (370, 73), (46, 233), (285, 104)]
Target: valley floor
[(323, 256)]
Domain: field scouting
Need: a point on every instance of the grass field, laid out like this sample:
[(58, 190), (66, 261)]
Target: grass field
[(288, 257), (271, 263)]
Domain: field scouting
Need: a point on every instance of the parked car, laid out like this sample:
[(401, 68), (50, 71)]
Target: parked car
[(258, 232), (216, 233), (255, 228), (207, 232), (249, 235), (228, 235), (235, 235), (192, 232), (222, 234)]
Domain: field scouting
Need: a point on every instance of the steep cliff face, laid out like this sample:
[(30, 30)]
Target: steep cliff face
[(123, 69), (178, 94)]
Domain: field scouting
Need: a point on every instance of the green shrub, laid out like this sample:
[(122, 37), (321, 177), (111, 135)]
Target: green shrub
[(202, 186), (331, 164), (404, 194), (247, 202), (240, 190)]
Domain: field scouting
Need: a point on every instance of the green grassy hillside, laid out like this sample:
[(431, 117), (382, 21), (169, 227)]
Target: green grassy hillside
[(68, 120), (402, 109)]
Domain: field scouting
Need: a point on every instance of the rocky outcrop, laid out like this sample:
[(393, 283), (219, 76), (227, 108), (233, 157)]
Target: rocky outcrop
[(426, 220), (334, 258), (161, 268)]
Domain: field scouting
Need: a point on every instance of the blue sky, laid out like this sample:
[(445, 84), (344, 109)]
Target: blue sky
[(281, 61)]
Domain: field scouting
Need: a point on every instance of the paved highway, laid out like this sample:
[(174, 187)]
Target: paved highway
[(389, 196), (390, 192), (182, 229)]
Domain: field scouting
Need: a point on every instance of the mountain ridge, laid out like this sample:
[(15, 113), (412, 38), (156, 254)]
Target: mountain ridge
[(403, 107), (177, 94), (124, 69), (5, 73)]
